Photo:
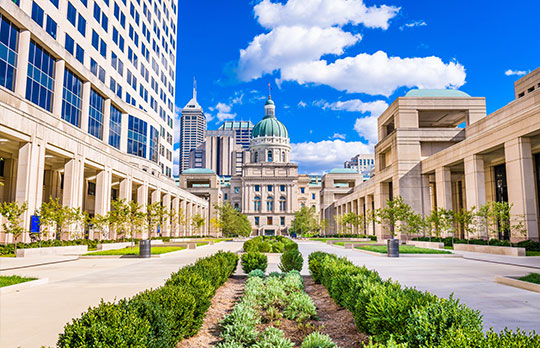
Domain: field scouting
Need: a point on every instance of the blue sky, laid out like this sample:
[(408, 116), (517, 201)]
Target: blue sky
[(334, 65)]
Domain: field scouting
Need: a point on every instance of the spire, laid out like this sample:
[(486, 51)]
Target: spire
[(269, 91), (194, 88)]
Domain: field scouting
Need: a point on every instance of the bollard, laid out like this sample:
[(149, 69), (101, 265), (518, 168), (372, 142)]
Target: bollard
[(145, 249)]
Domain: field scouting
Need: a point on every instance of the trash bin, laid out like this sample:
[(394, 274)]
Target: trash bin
[(145, 249), (393, 247)]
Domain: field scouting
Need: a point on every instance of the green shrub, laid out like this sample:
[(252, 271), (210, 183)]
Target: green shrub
[(273, 338), (254, 260), (428, 325), (390, 344), (299, 307), (291, 260), (256, 273), (107, 325), (240, 326), (269, 244), (318, 340)]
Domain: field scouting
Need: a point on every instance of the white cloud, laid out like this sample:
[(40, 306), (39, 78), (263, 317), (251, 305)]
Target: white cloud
[(356, 105), (366, 127), (323, 13), (377, 73), (420, 23), (224, 112), (290, 45), (301, 104), (316, 158), (511, 72), (339, 136)]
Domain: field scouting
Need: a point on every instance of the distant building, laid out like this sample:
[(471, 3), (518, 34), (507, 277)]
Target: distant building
[(242, 131), (361, 162), (192, 129), (219, 153)]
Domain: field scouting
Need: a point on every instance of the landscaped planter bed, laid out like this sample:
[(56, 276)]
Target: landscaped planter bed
[(428, 245), (53, 251), (518, 283), (490, 249), (403, 249), (113, 246)]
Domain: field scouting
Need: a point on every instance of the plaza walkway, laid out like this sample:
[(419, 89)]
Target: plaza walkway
[(34, 317), (471, 281)]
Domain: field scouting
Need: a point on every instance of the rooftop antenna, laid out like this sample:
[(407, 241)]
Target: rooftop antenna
[(194, 88), (269, 91)]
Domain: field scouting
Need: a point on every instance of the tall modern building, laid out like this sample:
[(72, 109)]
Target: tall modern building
[(242, 131), (192, 129), (361, 162), (87, 103)]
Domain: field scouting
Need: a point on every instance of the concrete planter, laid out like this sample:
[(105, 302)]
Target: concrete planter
[(21, 286), (53, 251), (330, 242), (113, 246), (518, 283), (428, 245), (490, 249)]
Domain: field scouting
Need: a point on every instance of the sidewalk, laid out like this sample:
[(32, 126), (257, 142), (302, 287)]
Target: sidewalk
[(12, 263), (522, 261), (34, 317)]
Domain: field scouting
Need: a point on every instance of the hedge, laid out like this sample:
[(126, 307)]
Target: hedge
[(269, 244), (397, 316), (156, 318)]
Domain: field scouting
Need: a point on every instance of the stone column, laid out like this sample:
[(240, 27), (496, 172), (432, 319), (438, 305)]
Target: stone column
[(443, 180), (183, 205), (29, 184), (167, 224), (103, 194), (474, 181), (73, 183), (369, 205), (124, 132), (176, 208), (156, 198), (59, 68), (106, 120), (189, 213), (126, 189), (379, 197), (85, 105), (142, 200), (22, 60), (426, 196), (520, 182)]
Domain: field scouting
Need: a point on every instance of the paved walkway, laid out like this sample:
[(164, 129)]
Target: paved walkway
[(34, 317), (471, 281)]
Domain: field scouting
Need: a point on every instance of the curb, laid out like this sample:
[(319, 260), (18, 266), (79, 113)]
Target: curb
[(21, 286), (517, 283), (89, 257), (456, 256)]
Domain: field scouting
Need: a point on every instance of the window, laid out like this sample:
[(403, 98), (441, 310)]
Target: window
[(95, 115), (115, 127), (283, 156), (256, 221), (137, 130), (81, 25), (282, 204), (8, 53), (72, 14), (256, 157), (270, 188), (236, 190), (40, 82), (51, 27), (80, 54), (91, 189), (236, 205), (257, 188), (95, 40), (269, 220), (257, 204), (302, 190), (97, 12), (84, 2), (54, 2), (312, 196), (270, 204), (226, 197), (154, 144), (282, 220), (37, 14), (71, 98), (70, 44), (269, 156), (282, 188)]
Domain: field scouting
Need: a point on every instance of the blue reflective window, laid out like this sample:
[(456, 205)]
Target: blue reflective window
[(104, 22), (54, 2), (97, 12), (37, 14), (81, 26), (154, 144), (84, 2), (95, 115), (71, 98), (80, 54), (40, 82), (115, 127), (71, 14), (137, 130), (103, 49), (95, 40), (94, 66), (70, 44), (51, 27), (8, 53)]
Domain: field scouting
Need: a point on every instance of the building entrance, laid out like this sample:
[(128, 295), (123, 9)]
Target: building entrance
[(269, 232), (501, 195)]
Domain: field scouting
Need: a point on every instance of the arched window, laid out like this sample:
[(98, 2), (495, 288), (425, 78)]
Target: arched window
[(257, 204), (283, 156), (270, 204), (282, 204), (256, 157), (269, 155), (236, 206)]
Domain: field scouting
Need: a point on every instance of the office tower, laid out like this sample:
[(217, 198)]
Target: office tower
[(242, 131), (192, 129)]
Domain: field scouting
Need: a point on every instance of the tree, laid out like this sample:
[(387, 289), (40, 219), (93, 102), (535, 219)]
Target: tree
[(198, 222), (441, 221), (182, 219), (55, 216), (101, 225), (244, 226), (305, 221), (119, 217), (231, 222), (465, 220), (13, 211), (136, 219), (215, 225), (152, 216), (173, 219), (394, 215), (354, 220), (415, 224)]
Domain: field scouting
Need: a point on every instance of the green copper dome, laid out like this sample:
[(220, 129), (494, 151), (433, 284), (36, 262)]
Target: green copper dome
[(269, 102), (269, 126)]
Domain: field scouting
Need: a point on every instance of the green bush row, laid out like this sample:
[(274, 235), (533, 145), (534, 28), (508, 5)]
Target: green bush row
[(529, 245), (156, 318), (397, 316), (254, 260), (346, 235), (291, 260), (269, 244)]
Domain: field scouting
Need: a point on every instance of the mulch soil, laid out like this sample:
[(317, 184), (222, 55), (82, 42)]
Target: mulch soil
[(334, 321)]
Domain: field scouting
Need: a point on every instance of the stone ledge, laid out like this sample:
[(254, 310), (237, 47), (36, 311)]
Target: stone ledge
[(88, 257), (113, 246), (427, 245), (517, 283), (491, 249), (411, 255), (21, 286), (48, 251)]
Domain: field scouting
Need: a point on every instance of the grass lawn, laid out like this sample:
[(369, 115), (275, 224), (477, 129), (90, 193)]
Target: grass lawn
[(12, 280), (532, 253), (324, 239), (532, 278), (8, 255), (135, 251), (343, 243), (403, 249)]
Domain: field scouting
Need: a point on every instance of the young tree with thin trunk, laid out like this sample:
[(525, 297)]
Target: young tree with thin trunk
[(198, 222), (12, 211), (394, 215)]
